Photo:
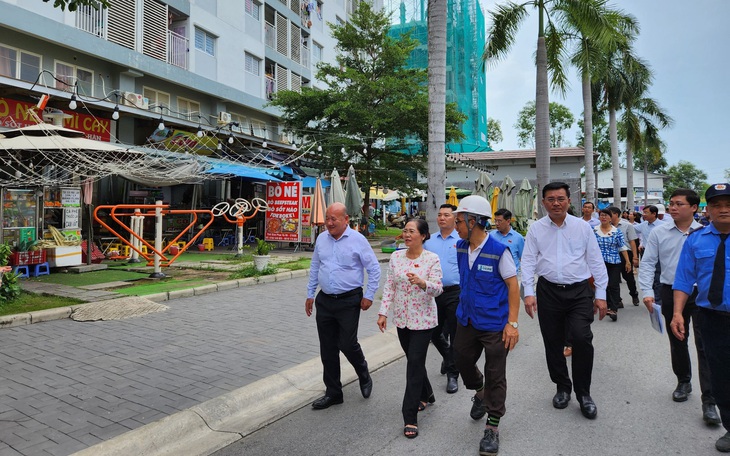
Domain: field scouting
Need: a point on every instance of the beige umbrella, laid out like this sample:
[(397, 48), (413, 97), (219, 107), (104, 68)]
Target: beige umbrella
[(505, 195), (481, 186), (318, 209), (353, 197), (337, 193)]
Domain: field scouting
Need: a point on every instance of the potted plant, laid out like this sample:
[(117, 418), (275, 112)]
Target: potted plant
[(261, 255)]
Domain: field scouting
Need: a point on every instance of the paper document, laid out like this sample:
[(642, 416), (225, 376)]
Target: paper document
[(656, 318)]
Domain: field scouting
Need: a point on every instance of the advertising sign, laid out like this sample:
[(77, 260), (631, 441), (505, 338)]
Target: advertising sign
[(307, 219), (283, 219), (14, 114)]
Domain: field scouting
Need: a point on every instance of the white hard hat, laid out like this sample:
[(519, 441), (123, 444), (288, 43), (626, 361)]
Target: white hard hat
[(660, 209), (475, 204)]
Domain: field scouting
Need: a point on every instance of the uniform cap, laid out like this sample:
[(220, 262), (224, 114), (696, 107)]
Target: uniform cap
[(717, 190)]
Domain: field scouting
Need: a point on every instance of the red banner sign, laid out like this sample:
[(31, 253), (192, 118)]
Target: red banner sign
[(14, 114), (307, 219), (283, 218)]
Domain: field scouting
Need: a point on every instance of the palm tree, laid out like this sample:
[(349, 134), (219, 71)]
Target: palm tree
[(550, 53), (437, 12), (617, 30)]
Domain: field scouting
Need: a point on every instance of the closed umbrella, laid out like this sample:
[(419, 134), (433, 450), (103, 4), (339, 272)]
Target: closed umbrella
[(353, 197), (523, 204), (481, 186), (337, 193), (505, 198), (495, 200), (318, 208), (452, 199)]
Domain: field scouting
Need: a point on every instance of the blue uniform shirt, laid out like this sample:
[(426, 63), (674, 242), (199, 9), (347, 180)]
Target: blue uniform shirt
[(514, 241), (696, 263), (445, 248)]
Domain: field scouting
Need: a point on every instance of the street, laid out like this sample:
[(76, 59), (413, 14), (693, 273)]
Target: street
[(632, 386)]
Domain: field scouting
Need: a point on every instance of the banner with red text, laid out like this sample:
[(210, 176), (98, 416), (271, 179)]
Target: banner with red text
[(307, 219), (14, 114), (283, 218)]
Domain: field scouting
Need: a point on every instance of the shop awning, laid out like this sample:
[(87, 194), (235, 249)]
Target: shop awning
[(234, 169)]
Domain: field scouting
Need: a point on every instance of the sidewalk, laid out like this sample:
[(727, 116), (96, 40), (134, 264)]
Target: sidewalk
[(66, 386)]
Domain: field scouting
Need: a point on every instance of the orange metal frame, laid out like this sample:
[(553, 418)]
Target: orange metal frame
[(149, 210)]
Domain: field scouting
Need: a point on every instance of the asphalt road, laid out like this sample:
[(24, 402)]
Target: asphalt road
[(632, 386)]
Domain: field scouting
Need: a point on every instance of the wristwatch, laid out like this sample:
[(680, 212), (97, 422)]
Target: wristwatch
[(513, 324)]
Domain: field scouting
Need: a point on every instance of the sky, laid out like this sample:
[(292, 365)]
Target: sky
[(685, 43)]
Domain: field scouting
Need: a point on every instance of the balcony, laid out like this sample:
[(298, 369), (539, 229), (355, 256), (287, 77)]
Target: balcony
[(270, 35), (92, 20), (177, 50)]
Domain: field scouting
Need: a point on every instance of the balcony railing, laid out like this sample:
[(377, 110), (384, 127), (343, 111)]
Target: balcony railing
[(177, 50), (304, 52), (270, 87), (92, 20), (270, 35)]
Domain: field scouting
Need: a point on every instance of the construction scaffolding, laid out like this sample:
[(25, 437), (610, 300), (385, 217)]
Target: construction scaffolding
[(465, 73)]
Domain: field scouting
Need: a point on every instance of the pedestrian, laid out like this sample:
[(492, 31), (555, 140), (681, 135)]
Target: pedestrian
[(630, 239), (486, 316), (341, 256), (704, 261), (564, 253), (414, 279), (443, 244), (663, 246), (505, 234), (611, 242), (661, 211), (588, 209), (651, 221)]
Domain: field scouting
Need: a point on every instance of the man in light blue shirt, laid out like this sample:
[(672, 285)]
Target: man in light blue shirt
[(443, 244), (507, 236), (341, 255)]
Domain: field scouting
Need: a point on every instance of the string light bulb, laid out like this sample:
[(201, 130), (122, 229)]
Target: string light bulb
[(115, 114), (342, 150), (200, 132), (230, 140), (264, 144), (72, 105), (161, 125), (319, 148)]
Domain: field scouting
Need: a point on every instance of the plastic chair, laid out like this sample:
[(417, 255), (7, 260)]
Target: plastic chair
[(208, 243), (41, 269)]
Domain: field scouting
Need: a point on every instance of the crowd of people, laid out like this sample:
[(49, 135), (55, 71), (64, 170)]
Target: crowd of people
[(460, 289)]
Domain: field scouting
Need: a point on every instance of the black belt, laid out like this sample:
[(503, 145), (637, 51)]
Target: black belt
[(346, 294), (451, 288), (566, 286)]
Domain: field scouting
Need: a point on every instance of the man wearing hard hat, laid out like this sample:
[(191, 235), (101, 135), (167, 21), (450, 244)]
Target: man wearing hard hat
[(486, 316)]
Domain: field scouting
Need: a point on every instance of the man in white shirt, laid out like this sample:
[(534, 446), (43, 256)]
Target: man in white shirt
[(588, 209), (563, 252)]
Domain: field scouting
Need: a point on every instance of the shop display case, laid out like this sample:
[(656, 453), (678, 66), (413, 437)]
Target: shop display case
[(19, 215)]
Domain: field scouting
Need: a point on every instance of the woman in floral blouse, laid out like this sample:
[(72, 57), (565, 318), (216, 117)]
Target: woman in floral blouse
[(414, 279), (611, 241)]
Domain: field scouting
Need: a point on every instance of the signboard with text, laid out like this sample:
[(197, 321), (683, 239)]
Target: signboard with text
[(14, 114), (307, 219), (283, 218)]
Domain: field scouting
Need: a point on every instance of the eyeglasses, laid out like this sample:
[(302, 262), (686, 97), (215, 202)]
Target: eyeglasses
[(675, 204), (459, 221), (560, 200)]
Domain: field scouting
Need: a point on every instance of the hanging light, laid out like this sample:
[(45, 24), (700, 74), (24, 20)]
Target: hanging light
[(115, 114), (220, 145), (264, 144), (200, 131), (161, 125), (342, 150), (72, 105), (319, 148), (230, 140)]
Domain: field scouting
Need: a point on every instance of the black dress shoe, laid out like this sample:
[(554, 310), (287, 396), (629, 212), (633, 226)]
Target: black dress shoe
[(561, 399), (489, 445), (325, 401), (443, 367), (366, 387), (709, 414), (452, 384), (635, 300), (478, 409), (587, 407), (681, 392)]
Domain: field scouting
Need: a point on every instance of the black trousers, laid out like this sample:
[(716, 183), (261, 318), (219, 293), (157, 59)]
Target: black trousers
[(447, 302), (418, 388), (679, 349), (562, 311), (613, 293), (629, 276), (337, 324), (715, 326)]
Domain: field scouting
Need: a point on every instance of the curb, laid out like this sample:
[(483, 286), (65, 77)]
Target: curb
[(219, 422)]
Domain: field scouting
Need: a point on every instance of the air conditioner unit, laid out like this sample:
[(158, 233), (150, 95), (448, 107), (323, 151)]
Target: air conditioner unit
[(135, 100), (224, 117)]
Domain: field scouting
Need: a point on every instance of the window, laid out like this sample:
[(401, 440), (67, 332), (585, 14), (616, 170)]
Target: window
[(253, 9), (204, 41), (18, 64), (73, 78), (188, 109), (253, 64), (339, 21), (316, 52), (156, 98)]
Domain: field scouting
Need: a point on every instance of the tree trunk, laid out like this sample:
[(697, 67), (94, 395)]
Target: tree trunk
[(542, 120), (588, 137), (629, 176), (437, 12), (646, 178), (613, 136)]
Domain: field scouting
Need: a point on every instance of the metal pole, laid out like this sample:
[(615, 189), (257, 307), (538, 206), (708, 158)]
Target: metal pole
[(158, 241)]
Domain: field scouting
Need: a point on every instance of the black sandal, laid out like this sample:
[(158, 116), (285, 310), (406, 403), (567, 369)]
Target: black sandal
[(422, 404), (410, 431)]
